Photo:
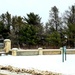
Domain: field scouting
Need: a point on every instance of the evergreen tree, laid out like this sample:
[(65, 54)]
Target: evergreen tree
[(53, 25), (70, 25)]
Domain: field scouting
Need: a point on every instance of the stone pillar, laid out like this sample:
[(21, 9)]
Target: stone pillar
[(7, 43), (61, 50), (40, 51), (14, 51)]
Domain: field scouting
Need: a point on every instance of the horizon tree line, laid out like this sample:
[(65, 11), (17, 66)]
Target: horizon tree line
[(29, 32)]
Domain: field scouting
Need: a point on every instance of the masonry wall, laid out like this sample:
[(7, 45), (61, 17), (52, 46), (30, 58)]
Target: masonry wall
[(30, 52)]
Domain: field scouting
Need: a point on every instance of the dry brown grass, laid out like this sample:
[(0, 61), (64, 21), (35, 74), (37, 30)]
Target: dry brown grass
[(30, 71)]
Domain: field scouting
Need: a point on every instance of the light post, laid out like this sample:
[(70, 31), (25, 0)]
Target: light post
[(74, 41), (74, 44), (64, 49)]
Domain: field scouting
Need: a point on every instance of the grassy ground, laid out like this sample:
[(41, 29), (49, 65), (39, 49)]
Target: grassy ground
[(9, 70)]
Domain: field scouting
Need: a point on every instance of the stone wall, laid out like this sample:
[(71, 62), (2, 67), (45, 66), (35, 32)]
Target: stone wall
[(39, 51), (22, 52), (30, 52)]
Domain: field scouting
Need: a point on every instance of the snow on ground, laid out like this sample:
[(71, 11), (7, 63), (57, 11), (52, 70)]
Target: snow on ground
[(42, 62)]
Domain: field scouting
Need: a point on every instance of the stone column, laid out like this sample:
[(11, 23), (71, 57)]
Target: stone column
[(7, 43), (14, 51), (40, 51), (61, 50)]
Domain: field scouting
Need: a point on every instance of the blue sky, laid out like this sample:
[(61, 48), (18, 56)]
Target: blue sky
[(41, 7)]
